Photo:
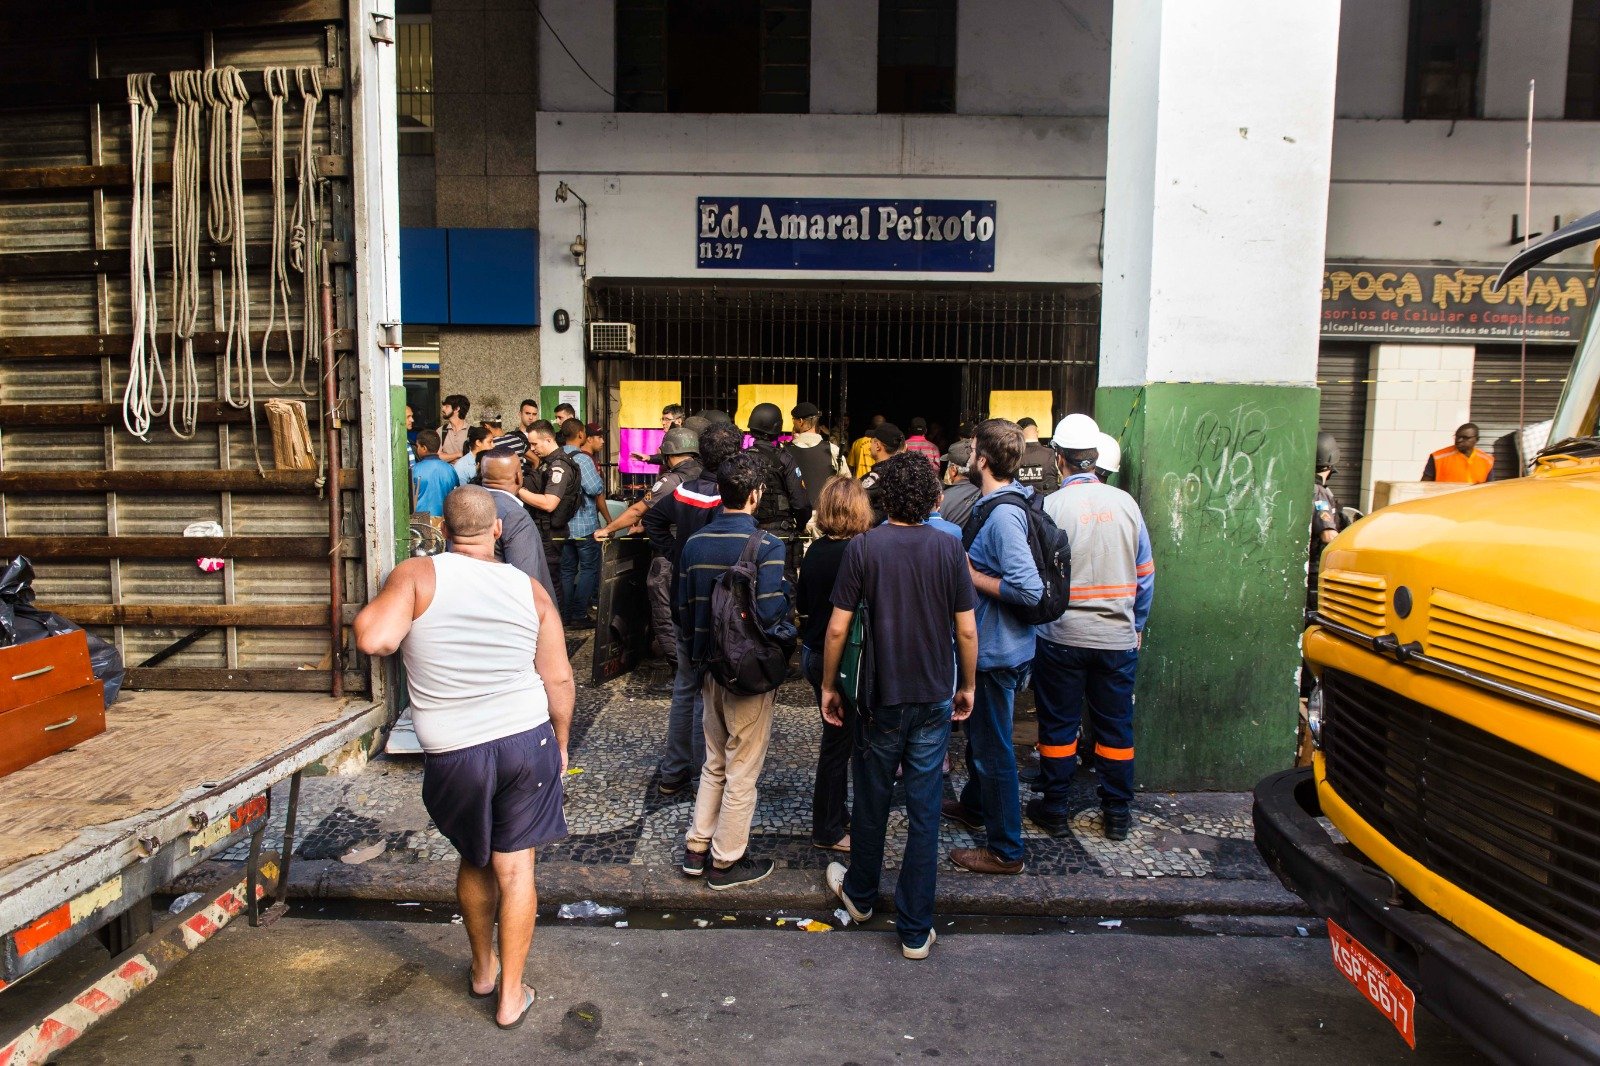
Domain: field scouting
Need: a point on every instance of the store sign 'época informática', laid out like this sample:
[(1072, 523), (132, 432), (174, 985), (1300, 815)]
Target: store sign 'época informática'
[(1446, 302), (758, 233)]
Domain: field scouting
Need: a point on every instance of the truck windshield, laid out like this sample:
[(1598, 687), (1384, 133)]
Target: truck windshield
[(1580, 400)]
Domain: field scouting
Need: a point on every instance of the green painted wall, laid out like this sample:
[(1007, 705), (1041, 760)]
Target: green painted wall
[(1223, 474), (402, 473)]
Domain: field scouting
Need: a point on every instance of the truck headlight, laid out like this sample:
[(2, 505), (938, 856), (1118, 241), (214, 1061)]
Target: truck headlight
[(1314, 716)]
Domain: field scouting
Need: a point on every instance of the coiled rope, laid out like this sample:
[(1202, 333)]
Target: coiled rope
[(305, 236), (225, 92), (276, 80), (184, 405), (144, 357)]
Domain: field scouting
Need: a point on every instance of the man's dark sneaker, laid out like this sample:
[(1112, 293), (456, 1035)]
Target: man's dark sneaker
[(1044, 818), (747, 871), (580, 623), (694, 862), (1118, 822), (671, 786), (984, 861), (958, 812)]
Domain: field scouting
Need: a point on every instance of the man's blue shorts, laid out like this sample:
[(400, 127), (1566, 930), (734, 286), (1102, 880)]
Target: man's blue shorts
[(503, 795)]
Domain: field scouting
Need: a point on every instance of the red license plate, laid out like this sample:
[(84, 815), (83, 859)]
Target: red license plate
[(1376, 981)]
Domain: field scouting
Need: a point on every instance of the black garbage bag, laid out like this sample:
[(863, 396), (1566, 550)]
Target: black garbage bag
[(21, 622)]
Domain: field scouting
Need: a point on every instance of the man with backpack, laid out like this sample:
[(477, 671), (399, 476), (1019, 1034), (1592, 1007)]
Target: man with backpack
[(1007, 579), (552, 491), (738, 722), (817, 459), (1090, 653)]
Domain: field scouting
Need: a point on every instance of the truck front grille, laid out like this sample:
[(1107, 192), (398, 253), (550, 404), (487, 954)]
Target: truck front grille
[(1353, 599), (1536, 654), (1519, 832)]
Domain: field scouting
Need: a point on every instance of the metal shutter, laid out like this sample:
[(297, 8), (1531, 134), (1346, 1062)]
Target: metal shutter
[(1342, 372), (1497, 385)]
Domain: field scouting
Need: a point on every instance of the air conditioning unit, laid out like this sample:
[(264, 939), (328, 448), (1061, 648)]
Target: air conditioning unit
[(612, 337)]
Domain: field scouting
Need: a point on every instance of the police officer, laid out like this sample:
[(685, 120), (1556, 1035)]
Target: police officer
[(884, 440), (1038, 469), (680, 450), (817, 458), (785, 506)]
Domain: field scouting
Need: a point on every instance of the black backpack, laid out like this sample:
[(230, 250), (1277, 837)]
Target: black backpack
[(745, 659), (1052, 555), (561, 478)]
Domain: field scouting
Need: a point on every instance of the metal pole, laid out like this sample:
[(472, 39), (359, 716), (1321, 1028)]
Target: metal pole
[(330, 412)]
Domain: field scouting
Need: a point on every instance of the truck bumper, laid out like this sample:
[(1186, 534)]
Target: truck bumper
[(1496, 1006)]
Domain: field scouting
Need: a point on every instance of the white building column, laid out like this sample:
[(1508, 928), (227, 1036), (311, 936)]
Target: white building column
[(1417, 396), (1220, 141)]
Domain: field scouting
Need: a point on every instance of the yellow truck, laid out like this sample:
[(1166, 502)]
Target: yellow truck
[(1449, 827)]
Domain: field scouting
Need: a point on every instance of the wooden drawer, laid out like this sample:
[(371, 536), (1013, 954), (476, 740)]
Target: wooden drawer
[(28, 734), (42, 668)]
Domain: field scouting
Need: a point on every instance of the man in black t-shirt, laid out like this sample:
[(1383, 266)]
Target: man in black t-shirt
[(917, 588)]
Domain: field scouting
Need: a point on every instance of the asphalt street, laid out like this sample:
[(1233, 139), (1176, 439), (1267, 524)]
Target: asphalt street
[(310, 990)]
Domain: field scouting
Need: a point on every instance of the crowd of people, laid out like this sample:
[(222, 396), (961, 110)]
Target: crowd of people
[(923, 584)]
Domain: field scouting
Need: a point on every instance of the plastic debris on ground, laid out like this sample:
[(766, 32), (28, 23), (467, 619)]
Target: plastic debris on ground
[(729, 918), (1301, 930), (364, 853), (408, 904), (184, 902), (811, 925), (1111, 923), (622, 925), (587, 908), (701, 922), (842, 917), (728, 1001), (455, 919)]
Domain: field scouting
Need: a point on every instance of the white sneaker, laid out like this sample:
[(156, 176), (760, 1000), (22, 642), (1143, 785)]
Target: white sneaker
[(836, 872), (922, 952)]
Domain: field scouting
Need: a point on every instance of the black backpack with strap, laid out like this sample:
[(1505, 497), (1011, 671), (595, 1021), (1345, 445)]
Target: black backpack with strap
[(745, 659), (1052, 555), (559, 476)]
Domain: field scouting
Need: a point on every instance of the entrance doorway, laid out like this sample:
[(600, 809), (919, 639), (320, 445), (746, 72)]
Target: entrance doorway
[(853, 348)]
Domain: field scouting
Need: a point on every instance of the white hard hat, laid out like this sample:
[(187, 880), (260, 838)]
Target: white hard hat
[(1076, 433), (1110, 454)]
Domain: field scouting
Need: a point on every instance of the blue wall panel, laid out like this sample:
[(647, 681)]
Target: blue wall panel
[(494, 277), (424, 276)]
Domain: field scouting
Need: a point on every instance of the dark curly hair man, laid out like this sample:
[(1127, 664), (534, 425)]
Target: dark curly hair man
[(908, 489)]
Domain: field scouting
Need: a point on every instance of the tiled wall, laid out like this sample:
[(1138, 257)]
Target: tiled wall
[(1418, 395)]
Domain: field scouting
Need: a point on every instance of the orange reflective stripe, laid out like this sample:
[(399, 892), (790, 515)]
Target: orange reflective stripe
[(1116, 754), (1058, 751), (1146, 569), (43, 930), (1104, 588), (1121, 592)]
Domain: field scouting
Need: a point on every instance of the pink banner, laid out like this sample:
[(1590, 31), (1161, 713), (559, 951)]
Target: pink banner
[(641, 441)]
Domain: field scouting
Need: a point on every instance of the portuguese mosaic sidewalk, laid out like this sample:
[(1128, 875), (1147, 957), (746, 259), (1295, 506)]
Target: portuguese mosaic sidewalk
[(1188, 853)]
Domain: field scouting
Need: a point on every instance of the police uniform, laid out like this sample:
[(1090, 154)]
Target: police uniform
[(556, 475), (658, 579), (785, 505), (1325, 518), (1037, 469)]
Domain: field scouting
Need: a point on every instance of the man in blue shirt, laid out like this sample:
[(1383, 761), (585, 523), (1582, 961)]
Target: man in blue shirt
[(432, 479), (1003, 573), (737, 728), (580, 555)]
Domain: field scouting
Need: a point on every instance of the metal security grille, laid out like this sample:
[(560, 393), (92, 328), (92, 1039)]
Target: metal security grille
[(1502, 394), (937, 350), (1342, 373), (1519, 832)]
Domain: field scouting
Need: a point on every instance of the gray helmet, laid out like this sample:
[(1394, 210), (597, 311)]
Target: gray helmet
[(680, 441), (696, 424), (1327, 451), (766, 420), (713, 416)]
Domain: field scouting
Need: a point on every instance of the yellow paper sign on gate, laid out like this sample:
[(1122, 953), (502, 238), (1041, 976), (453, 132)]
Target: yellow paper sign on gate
[(1017, 405), (642, 402), (785, 396)]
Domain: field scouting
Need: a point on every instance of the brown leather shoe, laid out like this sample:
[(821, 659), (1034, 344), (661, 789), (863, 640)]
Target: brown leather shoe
[(957, 811), (984, 861)]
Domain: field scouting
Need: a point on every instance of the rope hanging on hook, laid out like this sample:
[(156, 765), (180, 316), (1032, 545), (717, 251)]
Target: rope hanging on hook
[(276, 80), (183, 406), (144, 356), (306, 228), (226, 93)]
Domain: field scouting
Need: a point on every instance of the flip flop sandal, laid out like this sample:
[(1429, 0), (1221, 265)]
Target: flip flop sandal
[(839, 845), (481, 995), (527, 1005)]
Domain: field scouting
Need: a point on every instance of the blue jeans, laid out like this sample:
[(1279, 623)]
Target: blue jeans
[(913, 736), (580, 577), (1063, 679), (992, 762), (830, 799), (686, 738)]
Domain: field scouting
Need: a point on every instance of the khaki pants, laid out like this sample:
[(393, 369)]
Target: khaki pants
[(738, 729)]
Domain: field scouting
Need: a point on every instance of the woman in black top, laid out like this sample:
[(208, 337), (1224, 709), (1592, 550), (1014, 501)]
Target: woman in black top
[(843, 511)]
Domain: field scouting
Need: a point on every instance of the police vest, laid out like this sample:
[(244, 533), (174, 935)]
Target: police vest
[(776, 505), (816, 465), (1450, 465), (1038, 468)]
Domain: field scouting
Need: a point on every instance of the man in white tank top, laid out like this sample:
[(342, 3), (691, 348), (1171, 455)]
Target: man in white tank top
[(491, 695)]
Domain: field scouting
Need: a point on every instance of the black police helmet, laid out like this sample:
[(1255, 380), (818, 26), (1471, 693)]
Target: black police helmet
[(1327, 451), (766, 420)]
